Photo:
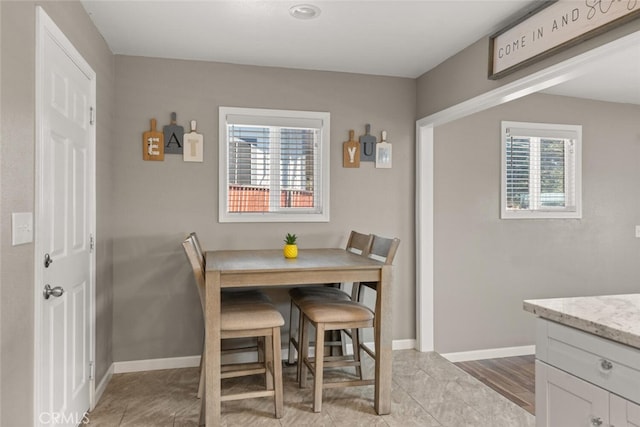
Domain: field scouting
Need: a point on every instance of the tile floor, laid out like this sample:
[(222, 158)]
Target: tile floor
[(428, 391)]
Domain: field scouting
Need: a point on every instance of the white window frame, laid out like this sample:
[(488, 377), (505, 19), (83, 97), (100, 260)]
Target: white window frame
[(574, 132), (268, 117)]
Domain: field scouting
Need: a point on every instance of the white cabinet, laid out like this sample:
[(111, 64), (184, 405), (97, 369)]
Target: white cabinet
[(624, 413), (584, 380), (563, 400)]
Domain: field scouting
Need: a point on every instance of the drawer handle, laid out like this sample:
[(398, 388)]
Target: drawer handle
[(606, 365), (596, 421)]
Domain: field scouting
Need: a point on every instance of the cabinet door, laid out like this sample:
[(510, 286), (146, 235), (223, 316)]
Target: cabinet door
[(624, 413), (563, 400)]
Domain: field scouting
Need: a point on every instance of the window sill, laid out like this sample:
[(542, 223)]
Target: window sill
[(540, 215)]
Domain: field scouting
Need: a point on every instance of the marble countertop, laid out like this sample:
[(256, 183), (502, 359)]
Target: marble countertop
[(616, 317)]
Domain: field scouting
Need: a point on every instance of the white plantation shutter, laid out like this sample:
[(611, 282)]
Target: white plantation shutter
[(541, 165), (273, 165)]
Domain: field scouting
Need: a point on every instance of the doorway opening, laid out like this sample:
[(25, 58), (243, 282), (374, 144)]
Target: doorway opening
[(552, 76)]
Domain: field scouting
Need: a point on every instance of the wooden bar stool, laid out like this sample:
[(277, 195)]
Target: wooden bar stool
[(243, 318), (248, 296), (328, 315), (357, 243)]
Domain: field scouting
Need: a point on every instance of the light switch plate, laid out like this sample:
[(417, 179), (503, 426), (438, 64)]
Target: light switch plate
[(21, 228), (638, 231)]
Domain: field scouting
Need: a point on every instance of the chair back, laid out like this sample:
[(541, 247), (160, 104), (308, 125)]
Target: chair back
[(197, 245), (359, 243), (382, 249), (196, 260)]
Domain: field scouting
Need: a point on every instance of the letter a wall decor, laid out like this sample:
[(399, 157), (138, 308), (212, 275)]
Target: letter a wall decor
[(173, 135)]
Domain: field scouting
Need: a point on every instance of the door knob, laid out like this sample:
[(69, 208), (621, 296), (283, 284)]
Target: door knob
[(49, 291)]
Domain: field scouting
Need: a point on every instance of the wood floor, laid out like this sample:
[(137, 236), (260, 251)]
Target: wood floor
[(512, 377)]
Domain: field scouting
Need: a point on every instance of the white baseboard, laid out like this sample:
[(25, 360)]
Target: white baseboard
[(192, 361), (156, 364), (404, 344), (102, 385), (491, 353)]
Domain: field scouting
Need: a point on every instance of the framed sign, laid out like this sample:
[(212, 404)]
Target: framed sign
[(555, 26)]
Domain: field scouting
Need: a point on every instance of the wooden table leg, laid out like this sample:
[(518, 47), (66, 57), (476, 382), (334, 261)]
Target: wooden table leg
[(212, 342), (383, 342)]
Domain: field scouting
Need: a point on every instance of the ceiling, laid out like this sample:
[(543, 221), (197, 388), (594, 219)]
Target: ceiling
[(391, 38), (616, 79)]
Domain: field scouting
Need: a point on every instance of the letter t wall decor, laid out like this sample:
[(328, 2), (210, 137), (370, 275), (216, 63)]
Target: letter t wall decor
[(193, 145)]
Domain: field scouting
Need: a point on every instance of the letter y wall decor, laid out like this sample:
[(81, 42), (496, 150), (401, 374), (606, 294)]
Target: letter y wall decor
[(367, 149), (351, 152)]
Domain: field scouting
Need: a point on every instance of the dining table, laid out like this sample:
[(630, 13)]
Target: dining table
[(269, 268)]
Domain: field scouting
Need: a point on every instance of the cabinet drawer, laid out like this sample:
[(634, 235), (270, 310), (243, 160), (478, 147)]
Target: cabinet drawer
[(610, 365)]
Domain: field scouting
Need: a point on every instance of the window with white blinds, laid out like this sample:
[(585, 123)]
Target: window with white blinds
[(274, 165), (541, 170)]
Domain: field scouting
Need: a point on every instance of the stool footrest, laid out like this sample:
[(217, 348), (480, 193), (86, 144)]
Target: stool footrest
[(248, 395), (354, 383), (242, 372)]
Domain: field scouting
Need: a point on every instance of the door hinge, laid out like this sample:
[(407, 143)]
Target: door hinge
[(92, 243), (92, 370), (91, 116)]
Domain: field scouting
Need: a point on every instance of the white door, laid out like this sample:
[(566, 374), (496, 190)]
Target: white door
[(65, 213)]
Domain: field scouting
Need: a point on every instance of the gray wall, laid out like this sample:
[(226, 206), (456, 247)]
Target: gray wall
[(485, 266), (156, 310), (479, 284), (17, 192)]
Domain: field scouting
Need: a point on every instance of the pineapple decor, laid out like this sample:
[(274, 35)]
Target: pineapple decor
[(290, 248)]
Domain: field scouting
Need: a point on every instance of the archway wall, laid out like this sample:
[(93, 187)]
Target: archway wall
[(464, 75), (483, 267)]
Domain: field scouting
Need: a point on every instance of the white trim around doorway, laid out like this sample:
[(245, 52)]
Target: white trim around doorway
[(425, 159)]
